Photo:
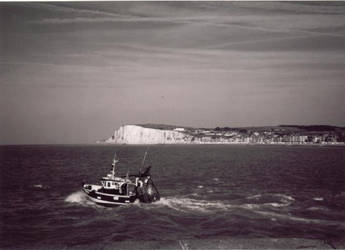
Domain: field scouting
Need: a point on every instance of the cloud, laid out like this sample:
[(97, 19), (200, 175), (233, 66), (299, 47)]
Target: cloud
[(72, 9)]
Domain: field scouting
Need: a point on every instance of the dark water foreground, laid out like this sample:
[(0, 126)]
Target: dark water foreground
[(213, 197)]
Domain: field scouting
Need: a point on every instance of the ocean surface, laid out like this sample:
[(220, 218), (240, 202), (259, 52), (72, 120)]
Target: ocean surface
[(207, 192)]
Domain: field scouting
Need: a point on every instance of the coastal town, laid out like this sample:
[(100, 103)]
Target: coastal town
[(283, 134)]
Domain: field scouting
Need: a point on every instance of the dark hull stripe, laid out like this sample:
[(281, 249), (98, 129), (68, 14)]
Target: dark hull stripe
[(110, 199), (107, 203)]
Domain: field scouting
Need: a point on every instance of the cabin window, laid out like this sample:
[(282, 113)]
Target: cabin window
[(108, 184)]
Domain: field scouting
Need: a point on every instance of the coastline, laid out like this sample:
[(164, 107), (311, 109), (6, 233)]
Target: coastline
[(151, 134), (229, 143)]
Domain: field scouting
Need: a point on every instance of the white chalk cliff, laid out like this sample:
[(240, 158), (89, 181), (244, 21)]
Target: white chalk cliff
[(134, 134)]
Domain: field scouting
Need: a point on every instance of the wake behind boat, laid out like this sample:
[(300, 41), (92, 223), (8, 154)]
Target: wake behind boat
[(120, 190)]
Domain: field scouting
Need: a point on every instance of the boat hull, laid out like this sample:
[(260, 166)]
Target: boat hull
[(109, 199)]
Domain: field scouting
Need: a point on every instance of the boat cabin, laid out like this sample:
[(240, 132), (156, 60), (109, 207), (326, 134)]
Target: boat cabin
[(118, 186)]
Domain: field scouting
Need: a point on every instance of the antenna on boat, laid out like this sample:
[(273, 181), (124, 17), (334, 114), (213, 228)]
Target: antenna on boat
[(127, 174), (143, 161), (114, 165)]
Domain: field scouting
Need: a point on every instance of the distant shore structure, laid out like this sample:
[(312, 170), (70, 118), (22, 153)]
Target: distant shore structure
[(283, 134), (179, 129)]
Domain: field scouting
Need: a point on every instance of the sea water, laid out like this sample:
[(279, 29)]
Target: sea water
[(207, 191)]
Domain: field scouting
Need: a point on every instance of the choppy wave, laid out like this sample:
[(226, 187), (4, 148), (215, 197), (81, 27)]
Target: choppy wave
[(183, 204), (282, 197), (39, 187), (318, 208), (193, 205), (290, 217), (188, 204), (80, 198), (273, 200)]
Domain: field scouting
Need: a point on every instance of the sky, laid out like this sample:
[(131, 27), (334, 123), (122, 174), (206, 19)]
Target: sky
[(73, 72)]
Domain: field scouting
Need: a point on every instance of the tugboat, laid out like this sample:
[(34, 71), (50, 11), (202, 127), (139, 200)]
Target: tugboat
[(121, 190)]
